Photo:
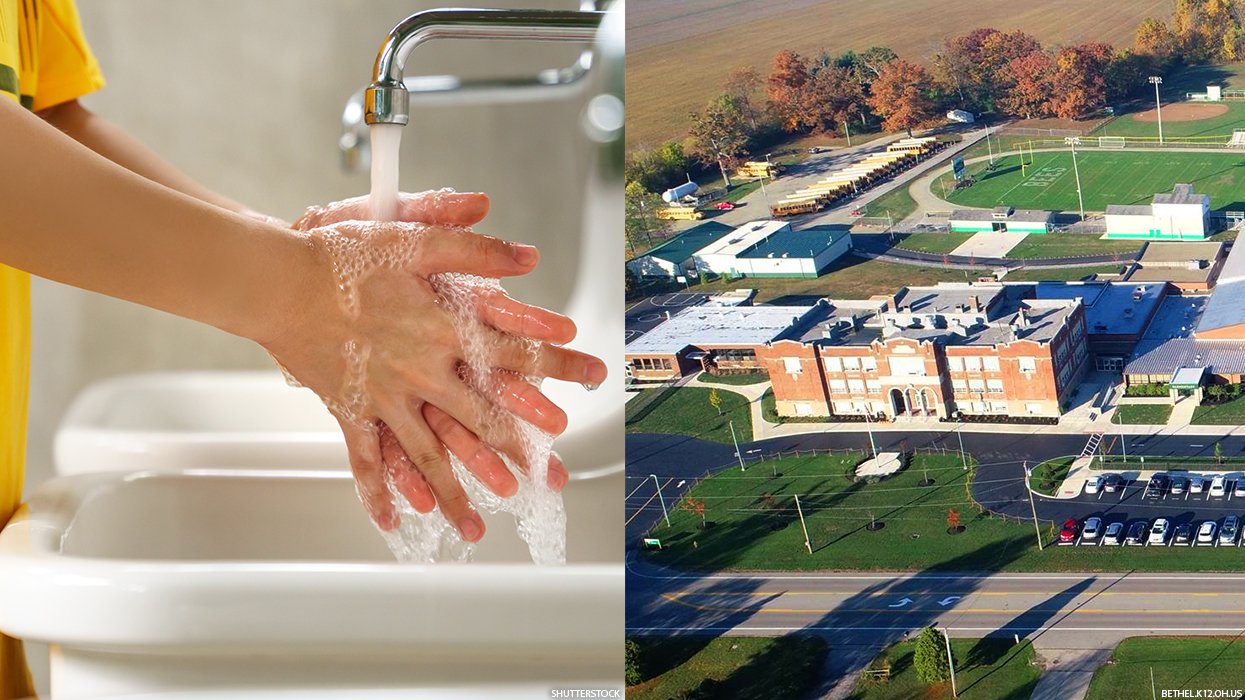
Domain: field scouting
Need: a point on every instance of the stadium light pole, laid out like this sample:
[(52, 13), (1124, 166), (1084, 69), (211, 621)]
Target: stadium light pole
[(664, 513), (1073, 141), (1156, 81)]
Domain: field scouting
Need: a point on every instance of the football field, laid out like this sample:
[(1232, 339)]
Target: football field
[(1107, 177)]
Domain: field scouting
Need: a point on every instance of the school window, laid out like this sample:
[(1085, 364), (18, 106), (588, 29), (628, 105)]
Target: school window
[(1027, 364), (991, 364), (959, 385), (994, 384), (869, 364), (874, 386), (976, 385), (791, 365), (838, 386), (972, 364), (833, 364), (856, 386), (851, 364), (955, 364)]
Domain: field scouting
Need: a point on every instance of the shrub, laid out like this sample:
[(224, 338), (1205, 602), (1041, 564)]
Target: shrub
[(930, 657), (632, 661), (1151, 389)]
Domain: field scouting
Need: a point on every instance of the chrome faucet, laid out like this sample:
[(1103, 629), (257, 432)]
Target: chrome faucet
[(386, 100)]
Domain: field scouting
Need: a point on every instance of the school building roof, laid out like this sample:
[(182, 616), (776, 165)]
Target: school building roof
[(726, 326), (805, 243), (681, 247)]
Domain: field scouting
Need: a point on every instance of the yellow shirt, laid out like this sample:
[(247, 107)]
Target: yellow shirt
[(44, 61)]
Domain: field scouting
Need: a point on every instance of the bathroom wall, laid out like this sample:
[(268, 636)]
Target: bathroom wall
[(246, 96)]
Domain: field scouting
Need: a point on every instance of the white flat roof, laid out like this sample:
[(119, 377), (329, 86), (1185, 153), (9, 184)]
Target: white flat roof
[(743, 238), (714, 326)]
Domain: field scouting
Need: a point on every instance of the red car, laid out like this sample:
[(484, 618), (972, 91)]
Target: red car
[(1068, 534), (724, 206)]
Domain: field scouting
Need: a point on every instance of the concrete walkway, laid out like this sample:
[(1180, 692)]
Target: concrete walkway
[(989, 244), (1067, 672)]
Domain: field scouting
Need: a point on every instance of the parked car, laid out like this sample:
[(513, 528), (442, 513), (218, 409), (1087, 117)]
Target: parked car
[(1091, 530), (817, 149), (1137, 533), (1239, 491), (1093, 484), (1159, 532), (1179, 485), (1113, 533), (1228, 531), (1197, 485), (724, 206), (1184, 533), (1111, 482), (1218, 487), (1068, 534), (1206, 532), (1157, 486)]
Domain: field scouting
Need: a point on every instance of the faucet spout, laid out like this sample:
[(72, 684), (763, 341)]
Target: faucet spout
[(387, 101)]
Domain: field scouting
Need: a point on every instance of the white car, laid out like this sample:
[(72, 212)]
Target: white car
[(1114, 532), (1091, 530), (1197, 484), (1093, 484), (1159, 532), (1206, 532), (1218, 487)]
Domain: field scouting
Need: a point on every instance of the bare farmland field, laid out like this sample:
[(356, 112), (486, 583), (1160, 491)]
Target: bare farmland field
[(679, 51)]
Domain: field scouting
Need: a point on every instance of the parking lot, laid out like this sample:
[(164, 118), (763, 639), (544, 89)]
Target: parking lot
[(1136, 501)]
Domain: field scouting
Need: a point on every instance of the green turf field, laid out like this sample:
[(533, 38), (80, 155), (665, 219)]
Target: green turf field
[(1110, 177)]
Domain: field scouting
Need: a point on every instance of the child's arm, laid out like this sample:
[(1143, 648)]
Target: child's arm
[(73, 216), (113, 143)]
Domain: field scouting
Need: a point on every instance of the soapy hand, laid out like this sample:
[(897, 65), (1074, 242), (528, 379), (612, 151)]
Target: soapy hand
[(377, 345)]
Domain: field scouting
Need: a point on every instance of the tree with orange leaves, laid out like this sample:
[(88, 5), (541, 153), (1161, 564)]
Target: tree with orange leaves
[(901, 95), (785, 87), (692, 505)]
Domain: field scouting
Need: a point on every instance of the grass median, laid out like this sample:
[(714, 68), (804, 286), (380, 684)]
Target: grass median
[(696, 666), (750, 523), (1178, 663), (987, 669), (1142, 414), (734, 379)]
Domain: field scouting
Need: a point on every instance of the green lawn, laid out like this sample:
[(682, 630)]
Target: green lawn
[(849, 277), (734, 379), (687, 411), (1107, 177), (934, 242), (898, 203), (1115, 462), (748, 668), (987, 669), (769, 411), (1178, 663), (1060, 274), (1202, 129), (1070, 245), (1227, 413), (1048, 475), (1142, 414), (753, 525), (741, 190)]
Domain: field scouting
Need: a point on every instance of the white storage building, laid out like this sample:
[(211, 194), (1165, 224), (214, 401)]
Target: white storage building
[(1179, 215)]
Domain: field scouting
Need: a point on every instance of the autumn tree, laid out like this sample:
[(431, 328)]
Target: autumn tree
[(1079, 80), (743, 84), (1154, 38), (720, 134), (715, 400), (831, 97), (695, 506), (640, 223), (953, 520), (1030, 85), (785, 86), (901, 96)]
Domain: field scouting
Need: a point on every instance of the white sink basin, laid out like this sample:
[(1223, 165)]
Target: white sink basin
[(177, 420), (224, 580)]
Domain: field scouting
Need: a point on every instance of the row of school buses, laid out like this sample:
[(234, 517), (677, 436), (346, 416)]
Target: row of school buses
[(858, 176)]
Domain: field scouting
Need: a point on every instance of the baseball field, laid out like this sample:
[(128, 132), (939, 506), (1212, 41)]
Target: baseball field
[(1107, 177)]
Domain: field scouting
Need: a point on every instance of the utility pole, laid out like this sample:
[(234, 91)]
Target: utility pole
[(847, 130), (869, 428), (807, 545), (1156, 81), (991, 148), (738, 454), (959, 433), (1032, 508), (1073, 141), (946, 636), (662, 499)]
